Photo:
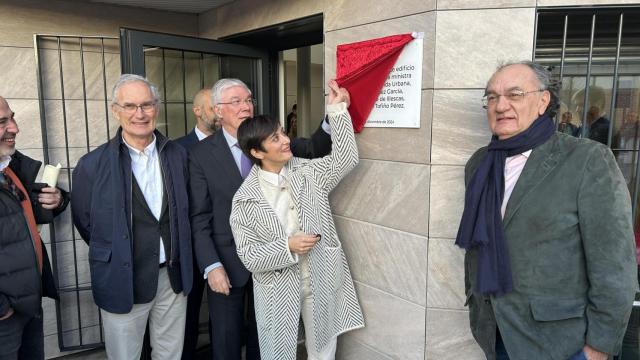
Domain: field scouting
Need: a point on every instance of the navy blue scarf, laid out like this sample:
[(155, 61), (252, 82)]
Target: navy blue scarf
[(481, 224)]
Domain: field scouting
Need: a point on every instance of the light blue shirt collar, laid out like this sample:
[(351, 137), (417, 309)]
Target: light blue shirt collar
[(230, 139), (4, 162)]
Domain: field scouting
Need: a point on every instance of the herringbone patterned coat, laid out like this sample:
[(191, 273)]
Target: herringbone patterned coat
[(261, 243)]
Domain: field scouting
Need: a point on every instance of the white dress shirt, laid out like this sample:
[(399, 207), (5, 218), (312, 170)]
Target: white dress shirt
[(512, 169), (275, 188), (199, 134), (146, 168)]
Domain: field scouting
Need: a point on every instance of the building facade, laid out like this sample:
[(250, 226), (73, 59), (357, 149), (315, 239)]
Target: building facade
[(398, 212)]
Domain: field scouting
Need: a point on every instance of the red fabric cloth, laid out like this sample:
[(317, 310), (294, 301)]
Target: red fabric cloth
[(362, 68)]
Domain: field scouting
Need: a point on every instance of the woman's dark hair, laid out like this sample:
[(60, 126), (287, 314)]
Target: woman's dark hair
[(253, 131)]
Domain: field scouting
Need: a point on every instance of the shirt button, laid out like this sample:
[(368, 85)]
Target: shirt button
[(291, 207), (283, 189)]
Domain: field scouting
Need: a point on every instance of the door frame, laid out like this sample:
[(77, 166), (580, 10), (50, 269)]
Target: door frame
[(133, 43)]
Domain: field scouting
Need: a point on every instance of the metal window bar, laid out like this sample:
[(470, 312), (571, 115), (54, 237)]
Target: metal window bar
[(76, 288), (164, 89), (563, 53), (614, 89), (588, 78), (568, 12), (184, 90)]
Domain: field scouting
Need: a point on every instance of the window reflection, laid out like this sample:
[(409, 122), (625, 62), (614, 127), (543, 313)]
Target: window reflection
[(599, 74)]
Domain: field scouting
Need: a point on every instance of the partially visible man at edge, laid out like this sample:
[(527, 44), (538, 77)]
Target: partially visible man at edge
[(130, 204), (550, 268), (217, 168), (25, 271)]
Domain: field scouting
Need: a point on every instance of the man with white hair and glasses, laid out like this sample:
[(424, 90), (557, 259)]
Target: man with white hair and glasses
[(550, 270), (130, 204)]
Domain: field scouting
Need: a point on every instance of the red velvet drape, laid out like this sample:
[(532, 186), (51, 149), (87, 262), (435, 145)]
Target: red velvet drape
[(363, 67)]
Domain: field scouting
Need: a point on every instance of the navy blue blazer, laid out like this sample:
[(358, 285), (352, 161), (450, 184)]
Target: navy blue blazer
[(188, 140), (101, 209)]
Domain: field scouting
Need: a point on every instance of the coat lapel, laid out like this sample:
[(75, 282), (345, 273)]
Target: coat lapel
[(541, 162), (250, 191), (223, 155)]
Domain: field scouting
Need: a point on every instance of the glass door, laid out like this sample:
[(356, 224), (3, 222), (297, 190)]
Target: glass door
[(181, 65)]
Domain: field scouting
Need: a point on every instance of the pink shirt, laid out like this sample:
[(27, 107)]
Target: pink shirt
[(512, 170)]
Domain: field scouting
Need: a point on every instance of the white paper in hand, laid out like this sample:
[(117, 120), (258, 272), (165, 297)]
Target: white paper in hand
[(50, 174)]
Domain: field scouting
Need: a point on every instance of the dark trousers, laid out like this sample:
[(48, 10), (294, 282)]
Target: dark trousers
[(21, 337), (233, 323), (193, 316)]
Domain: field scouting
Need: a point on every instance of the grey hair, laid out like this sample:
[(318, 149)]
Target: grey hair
[(546, 83), (222, 85), (129, 78)]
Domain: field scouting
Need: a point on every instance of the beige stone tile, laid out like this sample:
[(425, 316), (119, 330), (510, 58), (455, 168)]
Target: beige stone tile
[(69, 312), (69, 258), (425, 22), (459, 126), (390, 260), (584, 2), (98, 76), (244, 15), (90, 335), (483, 4), (395, 144), (59, 155), (480, 45), (445, 288), (49, 316), (390, 194), (449, 337), (34, 153), (345, 13), (18, 72), (30, 17), (351, 349), (81, 118), (447, 200), (393, 326)]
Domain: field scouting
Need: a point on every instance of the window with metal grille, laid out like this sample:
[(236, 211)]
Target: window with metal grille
[(595, 54)]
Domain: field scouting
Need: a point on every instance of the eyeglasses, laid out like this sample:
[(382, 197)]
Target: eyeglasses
[(512, 96), (237, 102), (132, 108)]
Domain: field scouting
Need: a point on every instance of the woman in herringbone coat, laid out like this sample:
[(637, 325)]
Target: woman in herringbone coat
[(285, 235)]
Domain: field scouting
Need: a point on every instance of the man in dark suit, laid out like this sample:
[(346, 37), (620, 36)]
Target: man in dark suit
[(550, 269), (206, 122), (25, 271), (216, 169), (206, 125)]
